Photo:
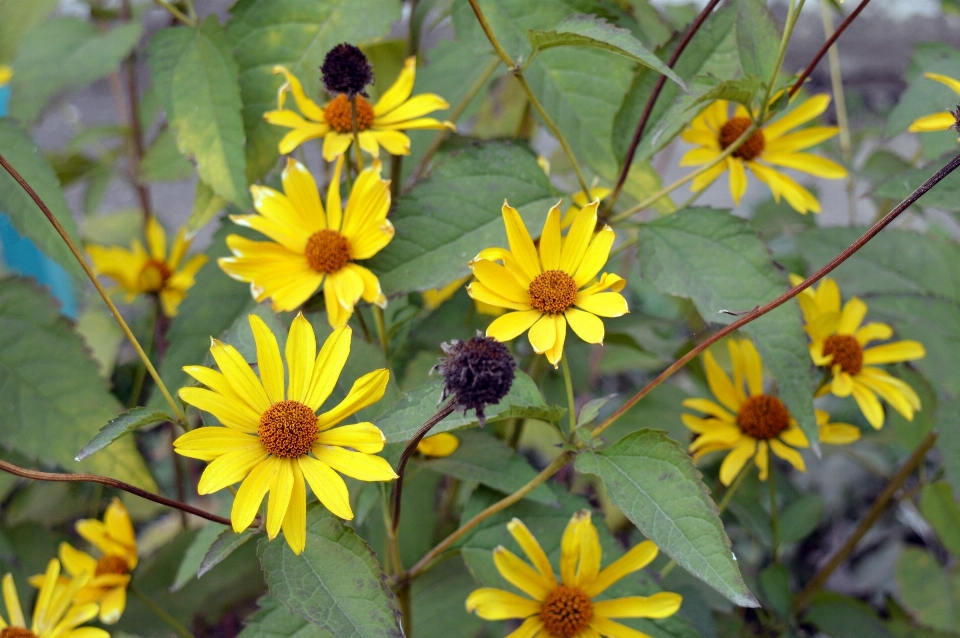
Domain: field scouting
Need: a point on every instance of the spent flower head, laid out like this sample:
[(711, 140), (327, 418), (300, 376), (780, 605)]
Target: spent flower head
[(477, 372), (346, 70)]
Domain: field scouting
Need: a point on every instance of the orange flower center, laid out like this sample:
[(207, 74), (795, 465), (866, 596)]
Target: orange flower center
[(153, 275), (111, 565), (339, 115), (752, 148), (327, 251), (552, 292), (16, 632), (288, 429), (846, 352), (566, 611), (763, 417)]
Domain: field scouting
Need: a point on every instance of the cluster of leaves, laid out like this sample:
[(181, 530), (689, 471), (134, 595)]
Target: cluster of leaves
[(592, 65)]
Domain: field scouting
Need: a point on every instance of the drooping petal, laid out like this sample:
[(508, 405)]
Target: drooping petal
[(611, 629), (586, 325), (281, 488), (251, 493), (788, 454), (112, 605), (308, 107), (736, 459), (543, 334), (363, 467), (229, 469), (327, 486), (869, 404), (295, 522), (738, 179)]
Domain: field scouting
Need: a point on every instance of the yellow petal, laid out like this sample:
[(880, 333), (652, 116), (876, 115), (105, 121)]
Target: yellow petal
[(762, 459), (301, 190), (239, 375), (366, 390), (532, 549), (550, 241), (12, 602), (75, 561), (512, 324), (611, 629), (660, 605), (842, 384), (156, 239), (363, 467), (300, 353), (906, 350), (587, 326), (591, 554), (229, 469), (334, 148), (570, 548), (521, 575), (812, 164), (281, 489), (839, 433), (852, 316), (736, 459), (543, 334), (596, 256), (604, 304), (869, 405), (946, 80), (709, 407), (802, 139), (873, 331), (327, 486), (395, 142), (484, 294), (411, 109), (295, 522), (803, 113), (497, 604), (499, 280), (935, 122), (400, 90), (112, 605), (531, 628), (636, 559), (328, 366), (439, 445), (268, 359), (251, 493), (334, 207), (208, 443), (232, 414), (308, 107), (788, 454), (521, 245), (577, 242), (720, 383), (738, 179)]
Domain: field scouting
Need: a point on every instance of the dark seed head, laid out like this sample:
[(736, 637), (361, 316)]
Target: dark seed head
[(478, 372), (346, 70)]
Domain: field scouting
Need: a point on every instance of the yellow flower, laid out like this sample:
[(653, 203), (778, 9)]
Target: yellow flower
[(937, 121), (565, 607), (54, 615), (138, 271), (550, 289), (751, 423), (312, 248), (439, 445), (5, 74), (273, 440), (714, 130), (109, 576), (377, 125), (838, 342), (433, 298)]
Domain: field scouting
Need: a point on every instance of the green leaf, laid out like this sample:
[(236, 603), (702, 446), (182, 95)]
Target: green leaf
[(758, 38), (336, 583), (741, 90), (842, 617), (437, 602), (775, 584), (163, 161), (19, 18), (948, 441), (925, 589), (717, 261), (455, 213), (62, 55), (591, 409), (709, 57), (197, 81), (296, 34), (940, 509), (945, 196), (405, 417), (206, 206), (28, 219), (590, 31), (52, 401), (127, 422), (190, 564), (273, 620), (654, 483), (487, 460), (800, 518), (225, 544)]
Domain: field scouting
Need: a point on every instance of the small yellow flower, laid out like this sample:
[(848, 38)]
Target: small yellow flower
[(751, 423), (839, 344), (550, 289), (271, 440), (377, 125), (714, 130), (565, 607), (109, 575), (312, 248), (937, 121), (439, 445), (433, 298), (54, 614), (138, 271), (5, 74)]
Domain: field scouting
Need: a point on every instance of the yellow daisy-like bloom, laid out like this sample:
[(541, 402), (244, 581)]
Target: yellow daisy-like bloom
[(838, 342), (54, 614), (378, 125), (109, 575), (748, 422), (937, 121), (273, 440), (140, 271), (566, 607), (550, 289), (714, 130), (439, 445), (313, 248)]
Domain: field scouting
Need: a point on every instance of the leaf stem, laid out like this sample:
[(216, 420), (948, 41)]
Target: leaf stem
[(571, 399), (176, 13), (534, 102), (93, 278), (876, 510), (932, 181), (161, 613), (774, 518)]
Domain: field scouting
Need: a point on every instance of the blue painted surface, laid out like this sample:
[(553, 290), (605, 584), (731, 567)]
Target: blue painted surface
[(20, 255)]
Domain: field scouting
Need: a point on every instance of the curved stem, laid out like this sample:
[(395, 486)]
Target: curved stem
[(109, 482), (534, 102), (932, 181), (571, 400), (161, 613), (93, 278), (426, 562)]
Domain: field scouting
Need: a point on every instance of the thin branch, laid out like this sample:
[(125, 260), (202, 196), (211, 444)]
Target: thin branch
[(176, 13), (651, 102), (875, 511), (109, 482), (93, 278), (790, 294), (426, 562), (136, 131), (826, 47)]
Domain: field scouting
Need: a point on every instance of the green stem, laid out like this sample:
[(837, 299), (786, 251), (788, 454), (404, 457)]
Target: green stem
[(534, 102), (381, 331), (774, 518), (571, 400), (176, 13), (161, 613)]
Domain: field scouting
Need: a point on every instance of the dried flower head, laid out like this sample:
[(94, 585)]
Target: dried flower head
[(346, 70), (478, 372)]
